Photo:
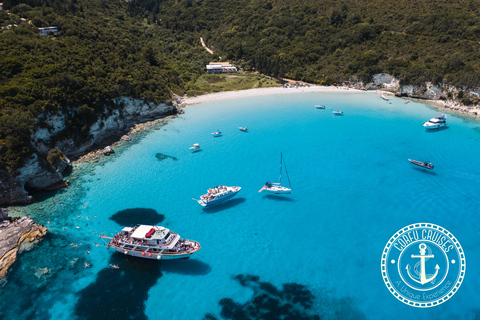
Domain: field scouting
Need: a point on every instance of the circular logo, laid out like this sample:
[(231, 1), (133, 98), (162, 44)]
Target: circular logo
[(423, 265)]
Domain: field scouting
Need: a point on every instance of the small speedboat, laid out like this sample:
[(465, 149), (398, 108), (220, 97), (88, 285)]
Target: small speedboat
[(426, 164), (217, 195), (216, 134), (337, 113), (384, 97), (436, 122), (319, 106), (152, 242), (195, 146), (242, 128)]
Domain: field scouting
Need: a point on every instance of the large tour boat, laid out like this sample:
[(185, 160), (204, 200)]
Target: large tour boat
[(436, 122), (152, 242), (217, 195)]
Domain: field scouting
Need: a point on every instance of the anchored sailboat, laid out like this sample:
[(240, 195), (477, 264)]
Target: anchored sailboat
[(276, 187)]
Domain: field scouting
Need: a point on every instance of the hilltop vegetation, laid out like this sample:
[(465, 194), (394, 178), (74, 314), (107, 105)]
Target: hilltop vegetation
[(146, 49), (101, 52), (331, 41)]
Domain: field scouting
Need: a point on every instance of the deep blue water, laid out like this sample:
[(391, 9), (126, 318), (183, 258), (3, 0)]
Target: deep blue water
[(314, 253)]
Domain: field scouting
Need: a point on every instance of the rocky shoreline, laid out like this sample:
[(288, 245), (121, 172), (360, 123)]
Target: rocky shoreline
[(39, 175), (14, 234)]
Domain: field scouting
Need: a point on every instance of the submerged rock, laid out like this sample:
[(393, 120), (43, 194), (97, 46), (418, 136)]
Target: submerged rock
[(12, 235)]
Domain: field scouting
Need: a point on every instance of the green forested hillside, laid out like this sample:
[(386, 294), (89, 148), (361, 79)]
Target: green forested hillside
[(101, 51), (147, 48), (318, 40)]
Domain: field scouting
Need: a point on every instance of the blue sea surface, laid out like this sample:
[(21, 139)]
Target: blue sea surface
[(312, 254)]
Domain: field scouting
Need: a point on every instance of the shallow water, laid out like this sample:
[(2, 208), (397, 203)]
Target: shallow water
[(313, 253)]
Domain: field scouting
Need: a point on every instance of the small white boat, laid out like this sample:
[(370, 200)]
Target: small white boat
[(426, 164), (337, 113), (217, 195), (384, 97), (318, 106), (216, 134), (152, 242), (243, 128), (436, 122), (196, 146), (276, 187)]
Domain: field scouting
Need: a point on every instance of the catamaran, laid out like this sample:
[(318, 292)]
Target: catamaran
[(276, 187), (152, 242), (217, 195)]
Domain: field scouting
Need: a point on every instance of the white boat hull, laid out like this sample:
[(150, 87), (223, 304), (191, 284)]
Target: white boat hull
[(155, 255), (232, 192), (434, 126), (278, 190)]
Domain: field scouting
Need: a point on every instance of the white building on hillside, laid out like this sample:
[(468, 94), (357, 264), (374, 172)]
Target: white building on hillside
[(220, 67)]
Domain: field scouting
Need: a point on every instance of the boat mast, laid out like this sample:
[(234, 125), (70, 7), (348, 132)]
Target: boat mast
[(281, 160)]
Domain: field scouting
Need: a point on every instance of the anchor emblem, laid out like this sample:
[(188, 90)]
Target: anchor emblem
[(423, 277)]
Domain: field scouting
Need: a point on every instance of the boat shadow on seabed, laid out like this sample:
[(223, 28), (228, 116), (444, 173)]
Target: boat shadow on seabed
[(278, 197), (432, 173), (224, 205)]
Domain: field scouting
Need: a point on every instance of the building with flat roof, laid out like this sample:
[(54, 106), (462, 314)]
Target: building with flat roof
[(220, 67)]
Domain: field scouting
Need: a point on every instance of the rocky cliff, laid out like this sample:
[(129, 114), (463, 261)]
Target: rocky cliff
[(15, 234), (38, 174)]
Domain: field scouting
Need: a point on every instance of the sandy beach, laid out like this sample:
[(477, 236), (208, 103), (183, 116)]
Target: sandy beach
[(225, 95), (259, 92)]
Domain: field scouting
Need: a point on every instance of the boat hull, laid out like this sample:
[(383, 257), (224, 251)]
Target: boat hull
[(421, 164), (210, 203), (155, 255), (281, 190), (434, 126)]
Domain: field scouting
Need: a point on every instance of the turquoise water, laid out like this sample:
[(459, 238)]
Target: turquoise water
[(313, 253)]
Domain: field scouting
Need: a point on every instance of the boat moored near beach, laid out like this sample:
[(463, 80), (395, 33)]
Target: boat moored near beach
[(243, 128), (216, 134), (276, 187), (217, 195), (195, 146), (426, 164), (384, 97), (337, 113), (152, 242), (319, 106), (436, 122)]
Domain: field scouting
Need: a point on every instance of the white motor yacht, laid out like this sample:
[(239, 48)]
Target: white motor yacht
[(436, 122), (217, 195)]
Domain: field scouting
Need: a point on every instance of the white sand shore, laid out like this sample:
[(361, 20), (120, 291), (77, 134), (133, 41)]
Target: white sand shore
[(225, 95), (259, 92)]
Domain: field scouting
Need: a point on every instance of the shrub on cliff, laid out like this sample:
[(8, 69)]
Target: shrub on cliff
[(54, 156)]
